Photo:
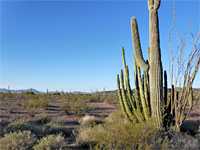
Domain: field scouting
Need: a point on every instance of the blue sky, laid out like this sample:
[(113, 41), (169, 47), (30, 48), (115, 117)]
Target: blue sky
[(76, 45)]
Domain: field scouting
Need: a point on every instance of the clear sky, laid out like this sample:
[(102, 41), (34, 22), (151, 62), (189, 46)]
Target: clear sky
[(76, 45)]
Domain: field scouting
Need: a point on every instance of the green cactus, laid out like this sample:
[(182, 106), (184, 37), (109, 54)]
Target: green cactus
[(154, 67), (150, 99)]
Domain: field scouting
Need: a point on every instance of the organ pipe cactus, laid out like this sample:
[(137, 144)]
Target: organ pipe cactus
[(149, 98), (154, 67)]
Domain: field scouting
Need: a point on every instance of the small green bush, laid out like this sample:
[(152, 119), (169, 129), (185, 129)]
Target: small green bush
[(37, 103), (76, 107), (20, 140), (18, 125), (55, 142), (111, 98)]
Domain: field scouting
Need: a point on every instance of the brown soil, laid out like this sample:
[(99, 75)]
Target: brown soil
[(192, 122)]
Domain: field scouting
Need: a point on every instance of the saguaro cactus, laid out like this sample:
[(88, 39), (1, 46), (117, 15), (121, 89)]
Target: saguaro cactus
[(155, 66)]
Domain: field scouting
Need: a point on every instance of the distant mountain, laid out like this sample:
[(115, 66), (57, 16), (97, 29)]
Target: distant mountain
[(3, 90)]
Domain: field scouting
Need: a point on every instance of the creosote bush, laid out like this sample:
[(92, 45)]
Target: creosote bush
[(20, 140), (37, 103), (18, 125), (51, 142), (76, 107), (55, 127)]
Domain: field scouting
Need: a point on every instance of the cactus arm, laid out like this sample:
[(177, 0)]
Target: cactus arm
[(146, 90), (125, 100), (165, 88), (123, 58), (137, 96), (142, 96), (190, 99), (137, 47), (129, 92), (128, 87), (136, 113), (120, 99)]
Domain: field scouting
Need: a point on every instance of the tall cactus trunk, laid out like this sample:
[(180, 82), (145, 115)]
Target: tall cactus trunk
[(155, 69)]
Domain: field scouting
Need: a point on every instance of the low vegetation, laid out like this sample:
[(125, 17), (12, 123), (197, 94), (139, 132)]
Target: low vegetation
[(94, 132), (20, 140), (76, 107), (50, 142), (115, 132), (18, 125)]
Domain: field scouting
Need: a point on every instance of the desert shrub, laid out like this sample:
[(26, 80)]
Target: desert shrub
[(43, 119), (38, 103), (18, 125), (56, 93), (118, 133), (28, 93), (50, 142), (54, 127), (182, 141), (111, 98), (86, 122), (90, 121), (76, 107), (20, 140)]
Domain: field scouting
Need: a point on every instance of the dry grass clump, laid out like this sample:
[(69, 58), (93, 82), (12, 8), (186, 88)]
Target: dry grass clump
[(90, 121), (20, 140), (50, 142)]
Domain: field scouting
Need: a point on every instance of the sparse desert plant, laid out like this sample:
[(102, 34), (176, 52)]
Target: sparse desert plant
[(51, 142), (54, 126), (90, 121), (18, 125), (38, 103), (110, 98), (76, 107), (20, 140), (28, 93), (35, 104)]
